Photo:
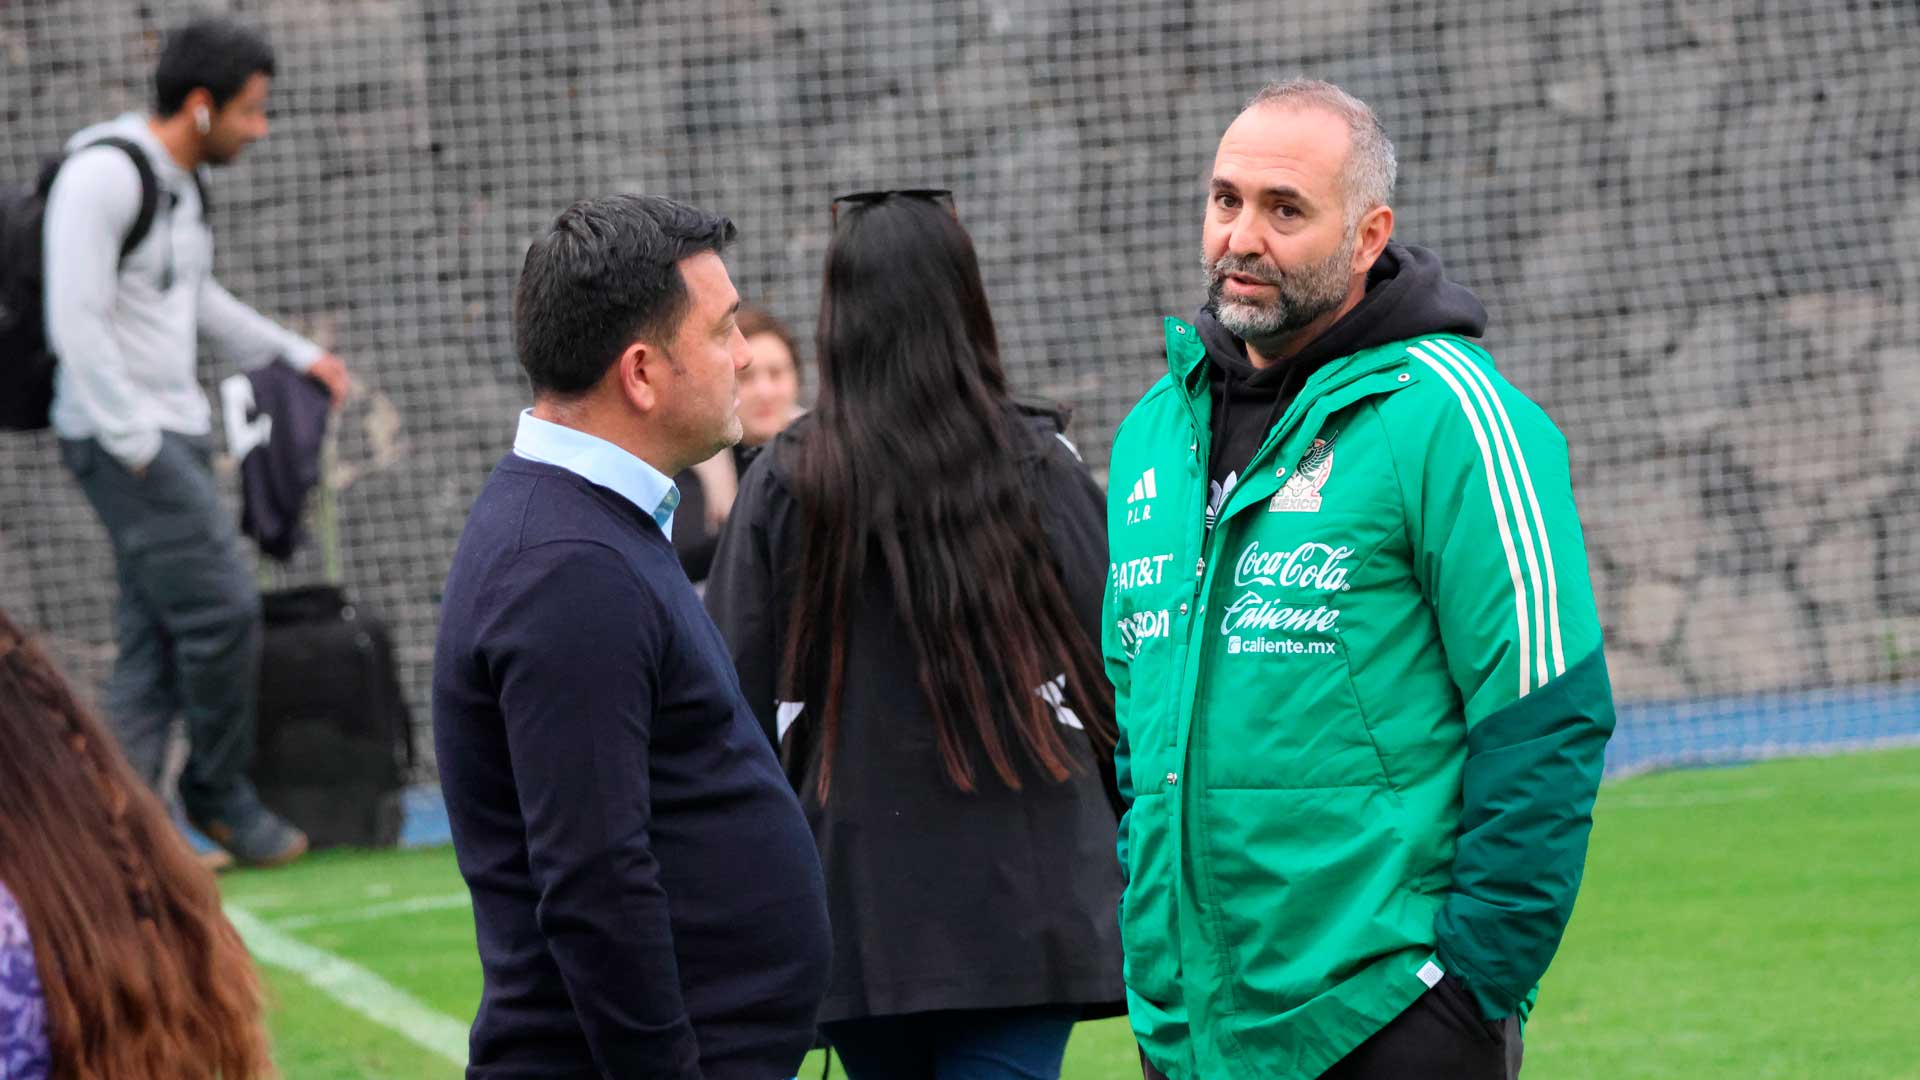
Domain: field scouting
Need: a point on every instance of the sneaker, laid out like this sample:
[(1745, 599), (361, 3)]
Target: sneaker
[(209, 855), (263, 840)]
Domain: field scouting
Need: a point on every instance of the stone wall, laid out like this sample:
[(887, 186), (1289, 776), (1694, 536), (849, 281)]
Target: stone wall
[(1696, 224)]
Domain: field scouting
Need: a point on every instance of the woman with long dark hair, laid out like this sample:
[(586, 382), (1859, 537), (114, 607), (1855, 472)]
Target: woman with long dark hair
[(115, 960), (911, 584)]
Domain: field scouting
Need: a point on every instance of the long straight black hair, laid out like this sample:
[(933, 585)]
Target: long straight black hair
[(915, 458)]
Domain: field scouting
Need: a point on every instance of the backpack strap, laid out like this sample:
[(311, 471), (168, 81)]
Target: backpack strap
[(149, 190)]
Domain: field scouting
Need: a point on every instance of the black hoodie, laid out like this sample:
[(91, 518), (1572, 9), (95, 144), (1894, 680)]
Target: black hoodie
[(1407, 295)]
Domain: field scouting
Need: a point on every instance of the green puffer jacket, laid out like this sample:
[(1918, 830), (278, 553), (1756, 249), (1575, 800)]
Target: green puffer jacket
[(1362, 718)]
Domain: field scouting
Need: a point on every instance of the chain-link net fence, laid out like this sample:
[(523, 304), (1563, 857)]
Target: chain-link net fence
[(1696, 224)]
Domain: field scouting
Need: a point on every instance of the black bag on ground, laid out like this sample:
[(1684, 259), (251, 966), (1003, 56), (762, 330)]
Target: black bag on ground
[(334, 746), (26, 358)]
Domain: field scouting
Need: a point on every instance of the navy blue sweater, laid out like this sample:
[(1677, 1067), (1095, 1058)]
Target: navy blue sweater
[(646, 893)]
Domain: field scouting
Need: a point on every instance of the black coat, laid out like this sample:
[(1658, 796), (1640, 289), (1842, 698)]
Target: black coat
[(939, 899)]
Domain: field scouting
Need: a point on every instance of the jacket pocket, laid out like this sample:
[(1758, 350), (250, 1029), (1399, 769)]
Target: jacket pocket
[(174, 501), (1149, 936), (1305, 884)]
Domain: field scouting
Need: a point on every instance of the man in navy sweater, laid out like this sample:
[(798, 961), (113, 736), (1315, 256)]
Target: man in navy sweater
[(647, 897)]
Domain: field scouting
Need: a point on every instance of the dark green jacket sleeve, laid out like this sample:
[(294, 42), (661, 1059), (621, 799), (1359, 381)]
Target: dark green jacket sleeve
[(1528, 791)]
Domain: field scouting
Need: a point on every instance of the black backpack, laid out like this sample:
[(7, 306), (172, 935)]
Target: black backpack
[(26, 358), (334, 743)]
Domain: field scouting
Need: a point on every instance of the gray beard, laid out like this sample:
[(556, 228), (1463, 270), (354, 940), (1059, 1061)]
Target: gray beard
[(1301, 296)]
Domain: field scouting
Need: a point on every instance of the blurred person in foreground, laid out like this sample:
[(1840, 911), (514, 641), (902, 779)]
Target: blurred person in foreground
[(115, 959), (769, 401), (646, 898), (1361, 693), (134, 425), (910, 584)]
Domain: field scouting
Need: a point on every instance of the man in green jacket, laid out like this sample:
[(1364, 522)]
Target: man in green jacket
[(1359, 678)]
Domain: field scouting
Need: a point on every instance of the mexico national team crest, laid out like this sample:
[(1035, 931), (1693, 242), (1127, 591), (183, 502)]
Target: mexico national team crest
[(1301, 493)]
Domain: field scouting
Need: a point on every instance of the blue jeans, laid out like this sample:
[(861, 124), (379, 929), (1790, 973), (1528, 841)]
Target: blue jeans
[(973, 1044)]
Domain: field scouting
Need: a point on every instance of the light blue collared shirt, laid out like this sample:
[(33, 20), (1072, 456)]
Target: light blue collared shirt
[(598, 461)]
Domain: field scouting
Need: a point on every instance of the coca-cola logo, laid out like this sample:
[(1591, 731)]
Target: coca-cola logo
[(1312, 565)]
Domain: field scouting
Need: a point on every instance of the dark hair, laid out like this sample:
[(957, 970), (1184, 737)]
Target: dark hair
[(913, 465), (755, 320), (143, 974), (214, 53), (606, 274)]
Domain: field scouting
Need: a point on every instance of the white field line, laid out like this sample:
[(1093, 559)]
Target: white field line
[(354, 987), (376, 911)]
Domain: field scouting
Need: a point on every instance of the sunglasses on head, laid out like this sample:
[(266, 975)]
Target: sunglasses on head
[(940, 197)]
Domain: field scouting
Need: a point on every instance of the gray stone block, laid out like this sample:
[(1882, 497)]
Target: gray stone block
[(1747, 635), (1787, 523), (1493, 54), (1807, 205), (1309, 33), (1699, 387), (1899, 554), (1573, 269), (1895, 402), (1714, 25), (1639, 675), (1838, 570), (1839, 328), (1873, 108), (1802, 438), (1650, 613), (1903, 232), (1633, 30), (1644, 516), (1390, 81), (1442, 206), (1874, 649), (1578, 89), (1739, 534)]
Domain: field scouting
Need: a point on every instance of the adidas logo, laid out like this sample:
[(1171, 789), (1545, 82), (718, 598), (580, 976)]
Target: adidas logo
[(1143, 488), (1143, 494)]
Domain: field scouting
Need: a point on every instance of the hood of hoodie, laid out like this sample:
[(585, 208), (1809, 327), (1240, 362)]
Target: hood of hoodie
[(1408, 294)]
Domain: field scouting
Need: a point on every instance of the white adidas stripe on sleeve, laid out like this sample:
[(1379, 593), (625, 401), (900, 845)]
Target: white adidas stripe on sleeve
[(1524, 641), (1501, 442), (1533, 504)]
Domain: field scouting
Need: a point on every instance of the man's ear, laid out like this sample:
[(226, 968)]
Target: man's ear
[(197, 99), (1371, 234), (640, 370)]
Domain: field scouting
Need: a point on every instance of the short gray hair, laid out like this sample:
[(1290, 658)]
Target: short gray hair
[(1371, 167)]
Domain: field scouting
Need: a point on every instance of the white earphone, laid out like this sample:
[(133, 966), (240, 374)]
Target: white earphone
[(201, 121)]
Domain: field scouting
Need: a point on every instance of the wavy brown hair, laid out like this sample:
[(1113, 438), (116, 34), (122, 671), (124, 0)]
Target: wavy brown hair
[(143, 975)]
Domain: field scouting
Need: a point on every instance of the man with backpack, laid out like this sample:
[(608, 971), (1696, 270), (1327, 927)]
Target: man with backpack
[(129, 290)]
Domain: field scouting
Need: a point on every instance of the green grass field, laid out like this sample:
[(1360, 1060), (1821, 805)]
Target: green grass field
[(1755, 922)]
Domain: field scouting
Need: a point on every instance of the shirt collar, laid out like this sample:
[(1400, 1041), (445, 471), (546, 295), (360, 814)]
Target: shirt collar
[(598, 461)]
